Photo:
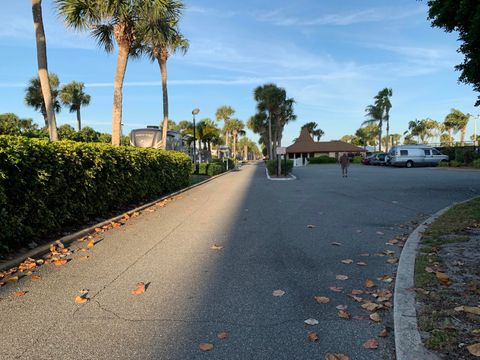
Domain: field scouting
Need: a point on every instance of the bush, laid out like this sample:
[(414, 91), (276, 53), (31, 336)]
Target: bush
[(272, 166), (45, 186), (460, 155), (214, 169), (455, 163), (357, 160), (476, 164), (443, 164), (322, 160)]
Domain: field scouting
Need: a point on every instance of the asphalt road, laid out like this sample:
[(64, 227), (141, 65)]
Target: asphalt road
[(196, 292)]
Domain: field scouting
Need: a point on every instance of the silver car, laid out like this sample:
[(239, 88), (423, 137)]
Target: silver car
[(415, 155)]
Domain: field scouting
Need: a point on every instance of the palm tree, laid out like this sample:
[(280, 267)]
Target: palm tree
[(312, 129), (423, 129), (43, 69), (457, 121), (117, 21), (72, 95), (224, 113), (162, 39), (34, 96), (236, 128), (318, 133), (382, 100), (374, 114)]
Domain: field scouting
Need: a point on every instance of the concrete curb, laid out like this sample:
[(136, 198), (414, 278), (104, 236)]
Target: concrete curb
[(68, 239), (292, 177), (408, 343)]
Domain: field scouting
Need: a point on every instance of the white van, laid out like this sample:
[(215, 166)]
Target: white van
[(415, 155)]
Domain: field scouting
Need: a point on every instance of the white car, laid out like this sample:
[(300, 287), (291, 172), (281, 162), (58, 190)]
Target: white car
[(415, 155)]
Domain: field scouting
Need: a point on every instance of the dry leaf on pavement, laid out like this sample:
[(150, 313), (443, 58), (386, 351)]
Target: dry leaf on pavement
[(369, 284), (347, 261), (20, 293), (386, 278), (223, 335), (357, 292), (278, 293), (443, 278), (474, 349), (140, 288), (336, 289), (369, 306), (322, 299), (313, 337), (342, 277), (60, 262), (311, 321), (91, 243), (216, 247), (344, 314), (383, 333), (371, 344), (84, 257), (472, 310), (205, 346), (80, 300), (375, 317), (336, 356)]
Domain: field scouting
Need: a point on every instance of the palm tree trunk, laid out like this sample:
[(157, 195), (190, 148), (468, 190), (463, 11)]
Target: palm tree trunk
[(79, 120), (234, 140), (245, 152), (162, 61), (270, 152), (388, 131), (462, 136), (227, 137), (122, 60), (43, 68), (380, 125), (450, 131)]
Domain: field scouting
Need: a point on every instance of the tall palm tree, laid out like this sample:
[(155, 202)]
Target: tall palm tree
[(224, 113), (43, 68), (318, 133), (72, 95), (236, 128), (116, 21), (374, 114), (457, 121), (34, 96), (162, 39), (382, 100)]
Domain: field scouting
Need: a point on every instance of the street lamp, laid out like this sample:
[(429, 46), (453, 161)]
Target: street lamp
[(194, 112)]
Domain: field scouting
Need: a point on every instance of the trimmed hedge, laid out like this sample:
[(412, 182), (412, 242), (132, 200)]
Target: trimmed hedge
[(272, 166), (322, 160), (45, 186), (209, 169)]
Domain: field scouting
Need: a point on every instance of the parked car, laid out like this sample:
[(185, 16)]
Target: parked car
[(366, 160), (415, 155), (379, 159)]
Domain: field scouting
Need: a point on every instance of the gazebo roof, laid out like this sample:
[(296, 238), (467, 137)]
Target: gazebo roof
[(305, 144)]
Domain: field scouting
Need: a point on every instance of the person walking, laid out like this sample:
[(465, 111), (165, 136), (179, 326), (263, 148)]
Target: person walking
[(344, 162)]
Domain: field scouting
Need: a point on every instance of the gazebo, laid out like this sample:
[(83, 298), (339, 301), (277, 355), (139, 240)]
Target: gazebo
[(305, 147)]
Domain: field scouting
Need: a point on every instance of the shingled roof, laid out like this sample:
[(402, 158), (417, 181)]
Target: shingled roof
[(305, 144)]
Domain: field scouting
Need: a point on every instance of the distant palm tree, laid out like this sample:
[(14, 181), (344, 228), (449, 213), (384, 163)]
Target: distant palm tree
[(43, 69), (224, 113), (382, 100), (161, 39), (318, 133), (117, 21), (457, 121), (236, 128), (72, 95), (374, 114), (312, 129), (34, 96)]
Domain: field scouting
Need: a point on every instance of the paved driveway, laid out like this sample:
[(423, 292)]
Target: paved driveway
[(196, 292)]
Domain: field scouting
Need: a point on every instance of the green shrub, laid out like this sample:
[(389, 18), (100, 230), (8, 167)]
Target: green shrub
[(357, 160), (455, 163), (322, 160), (272, 166), (460, 155), (214, 169), (443, 164), (476, 164), (48, 185)]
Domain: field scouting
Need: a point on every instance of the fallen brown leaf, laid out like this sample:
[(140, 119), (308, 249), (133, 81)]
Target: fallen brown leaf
[(79, 299), (140, 288), (20, 293), (342, 277), (472, 310), (60, 262), (347, 261), (344, 314), (223, 335), (359, 317), (12, 278), (313, 337), (341, 307), (356, 298), (35, 278), (371, 344), (443, 278), (357, 292), (91, 243), (375, 317), (392, 261), (116, 225), (474, 349), (84, 257), (205, 346), (322, 299), (369, 306), (386, 278), (383, 333), (369, 284), (336, 356), (336, 289)]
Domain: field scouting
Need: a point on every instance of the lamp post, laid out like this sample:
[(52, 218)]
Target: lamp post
[(194, 112)]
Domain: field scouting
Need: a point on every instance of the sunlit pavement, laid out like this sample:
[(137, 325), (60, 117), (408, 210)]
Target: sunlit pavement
[(261, 243)]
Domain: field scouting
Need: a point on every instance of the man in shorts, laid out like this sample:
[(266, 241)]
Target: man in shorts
[(344, 162)]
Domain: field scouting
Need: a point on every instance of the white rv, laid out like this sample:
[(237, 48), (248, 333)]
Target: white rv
[(415, 155)]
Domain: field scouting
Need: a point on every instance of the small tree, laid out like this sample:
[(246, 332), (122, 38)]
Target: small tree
[(72, 95), (34, 95)]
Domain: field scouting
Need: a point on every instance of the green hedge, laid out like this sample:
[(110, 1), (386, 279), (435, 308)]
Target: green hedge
[(45, 186), (272, 166), (357, 160), (209, 169), (322, 160)]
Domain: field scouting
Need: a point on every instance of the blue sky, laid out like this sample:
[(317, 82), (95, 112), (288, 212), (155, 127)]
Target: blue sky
[(332, 57)]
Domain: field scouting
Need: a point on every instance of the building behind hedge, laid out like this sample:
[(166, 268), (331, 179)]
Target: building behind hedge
[(305, 147)]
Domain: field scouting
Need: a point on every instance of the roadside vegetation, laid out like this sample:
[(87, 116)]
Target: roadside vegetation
[(447, 282)]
